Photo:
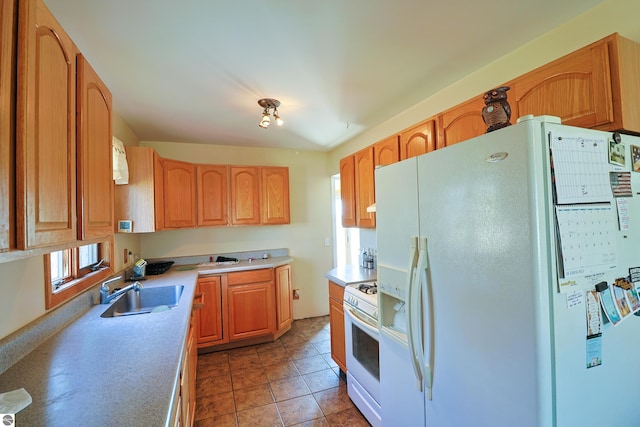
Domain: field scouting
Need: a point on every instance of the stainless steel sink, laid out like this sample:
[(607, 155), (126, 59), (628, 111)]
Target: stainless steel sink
[(145, 300)]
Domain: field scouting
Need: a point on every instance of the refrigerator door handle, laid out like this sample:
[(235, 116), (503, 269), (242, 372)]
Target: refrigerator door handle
[(411, 271), (423, 285)]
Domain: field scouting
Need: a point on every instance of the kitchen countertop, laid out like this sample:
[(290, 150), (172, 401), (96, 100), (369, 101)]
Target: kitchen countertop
[(107, 371), (244, 265), (351, 274), (114, 371)]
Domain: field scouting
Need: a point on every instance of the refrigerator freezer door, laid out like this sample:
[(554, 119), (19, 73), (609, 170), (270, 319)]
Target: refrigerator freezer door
[(397, 208)]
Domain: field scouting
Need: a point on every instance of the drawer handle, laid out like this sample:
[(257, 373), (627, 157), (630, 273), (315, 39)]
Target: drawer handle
[(200, 304)]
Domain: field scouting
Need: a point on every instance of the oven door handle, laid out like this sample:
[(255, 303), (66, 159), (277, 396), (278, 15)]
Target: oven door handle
[(361, 321)]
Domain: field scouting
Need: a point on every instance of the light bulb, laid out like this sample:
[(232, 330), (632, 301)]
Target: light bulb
[(279, 121), (266, 121)]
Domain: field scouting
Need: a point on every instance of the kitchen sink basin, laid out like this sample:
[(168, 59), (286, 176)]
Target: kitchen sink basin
[(145, 300)]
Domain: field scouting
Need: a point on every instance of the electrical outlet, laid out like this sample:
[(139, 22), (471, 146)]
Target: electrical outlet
[(296, 294)]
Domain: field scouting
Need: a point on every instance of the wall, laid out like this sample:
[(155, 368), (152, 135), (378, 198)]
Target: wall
[(22, 283), (610, 16), (310, 196)]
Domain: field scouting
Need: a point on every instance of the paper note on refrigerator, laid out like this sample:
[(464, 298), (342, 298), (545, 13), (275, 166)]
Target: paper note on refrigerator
[(586, 239), (580, 168)]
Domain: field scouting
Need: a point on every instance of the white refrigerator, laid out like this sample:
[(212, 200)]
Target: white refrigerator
[(488, 253)]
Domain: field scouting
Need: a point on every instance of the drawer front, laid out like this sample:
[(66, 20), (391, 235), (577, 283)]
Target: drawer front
[(336, 291), (251, 276)]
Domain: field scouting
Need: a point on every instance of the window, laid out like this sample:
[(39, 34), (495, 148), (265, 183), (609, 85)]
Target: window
[(68, 272)]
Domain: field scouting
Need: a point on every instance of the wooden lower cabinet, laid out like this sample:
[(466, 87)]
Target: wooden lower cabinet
[(250, 300), (209, 318), (336, 322), (244, 307), (188, 381), (284, 298)]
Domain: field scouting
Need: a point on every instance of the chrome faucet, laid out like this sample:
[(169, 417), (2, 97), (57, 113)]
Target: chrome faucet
[(106, 297)]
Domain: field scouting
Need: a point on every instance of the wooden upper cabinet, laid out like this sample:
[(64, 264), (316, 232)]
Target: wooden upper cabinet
[(419, 139), (179, 191), (275, 195), (576, 88), (7, 120), (593, 87), (461, 122), (95, 175), (348, 191), (365, 188), (245, 195), (138, 200), (45, 130), (213, 197), (387, 151)]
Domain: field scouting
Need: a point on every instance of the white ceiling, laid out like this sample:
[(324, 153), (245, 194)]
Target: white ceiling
[(193, 70)]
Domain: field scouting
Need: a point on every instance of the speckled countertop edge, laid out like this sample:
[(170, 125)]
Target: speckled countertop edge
[(350, 274)]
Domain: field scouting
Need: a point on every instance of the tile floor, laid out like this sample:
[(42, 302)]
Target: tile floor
[(290, 382)]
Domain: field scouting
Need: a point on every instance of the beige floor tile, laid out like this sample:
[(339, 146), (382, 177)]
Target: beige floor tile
[(251, 397), (280, 371), (289, 388), (213, 358), (244, 361), (311, 364), (321, 380), (318, 422), (266, 416), (322, 346), (214, 405), (212, 369), (274, 357), (301, 350), (348, 418), (248, 378), (333, 400), (213, 385), (269, 346), (298, 410), (327, 358), (227, 420)]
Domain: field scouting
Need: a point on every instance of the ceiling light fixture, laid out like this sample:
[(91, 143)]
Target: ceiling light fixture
[(269, 104)]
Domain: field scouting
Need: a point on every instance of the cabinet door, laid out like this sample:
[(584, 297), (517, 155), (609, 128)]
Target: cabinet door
[(284, 297), (250, 310), (275, 195), (461, 123), (213, 206), (365, 189), (336, 325), (348, 191), (7, 119), (419, 139), (245, 195), (209, 317), (136, 201), (386, 151), (576, 88), (45, 129), (179, 194), (95, 175)]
